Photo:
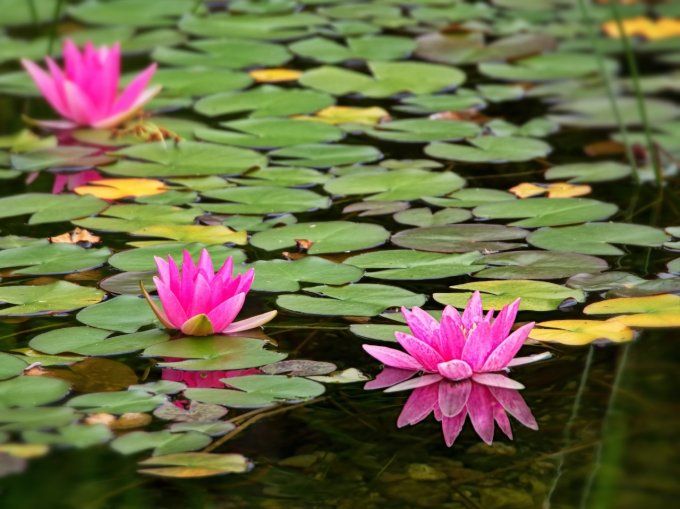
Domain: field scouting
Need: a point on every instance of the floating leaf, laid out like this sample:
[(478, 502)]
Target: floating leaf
[(256, 391), (142, 259), (186, 158), (406, 184), (40, 259), (653, 311), (264, 101), (353, 300), (50, 298), (349, 115), (601, 171), (580, 332), (50, 208), (535, 295), (94, 342), (547, 212), (286, 276), (31, 391), (424, 217), (10, 366), (369, 47), (115, 189), (471, 197), (325, 156), (120, 402), (162, 442), (531, 264), (218, 54), (193, 465), (460, 238), (192, 233), (75, 435), (644, 27), (491, 149), (20, 419), (402, 264), (263, 200), (275, 75), (125, 313), (545, 67), (325, 237), (595, 238)]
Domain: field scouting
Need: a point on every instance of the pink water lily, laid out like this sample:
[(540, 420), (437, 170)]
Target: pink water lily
[(201, 302), (471, 345), (86, 91), (453, 402)]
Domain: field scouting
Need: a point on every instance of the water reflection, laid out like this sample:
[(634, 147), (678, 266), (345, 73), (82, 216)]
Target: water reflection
[(486, 400), (204, 379)]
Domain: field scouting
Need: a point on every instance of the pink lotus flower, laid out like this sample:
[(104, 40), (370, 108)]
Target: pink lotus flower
[(452, 402), (85, 92), (204, 379), (200, 302), (70, 181), (473, 345)]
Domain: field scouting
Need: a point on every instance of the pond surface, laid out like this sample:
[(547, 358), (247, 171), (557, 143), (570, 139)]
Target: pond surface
[(475, 145)]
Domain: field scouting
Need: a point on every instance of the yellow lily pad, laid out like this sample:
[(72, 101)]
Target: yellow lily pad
[(348, 115), (115, 189), (274, 75), (581, 332), (651, 311)]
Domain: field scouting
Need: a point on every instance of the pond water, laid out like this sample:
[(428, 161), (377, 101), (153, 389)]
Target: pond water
[(476, 146)]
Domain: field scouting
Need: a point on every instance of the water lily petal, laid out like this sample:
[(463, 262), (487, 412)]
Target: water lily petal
[(453, 397), (392, 358), (427, 356), (250, 323), (503, 353)]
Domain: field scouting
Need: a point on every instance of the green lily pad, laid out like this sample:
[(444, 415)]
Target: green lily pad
[(545, 67), (264, 101), (326, 237), (25, 13), (256, 391), (286, 276), (10, 366), (470, 197), (530, 264), (263, 200), (423, 130), (252, 26), (284, 177), (535, 295), (460, 238), (120, 402), (402, 264), (54, 297), (596, 112), (20, 419), (368, 47), (31, 391), (577, 173), (214, 353), (491, 149), (378, 331), (547, 211), (212, 234), (597, 238), (162, 442), (186, 158), (142, 259), (41, 259), (125, 313), (199, 82), (388, 78), (74, 435), (94, 342), (215, 54), (50, 208), (201, 464), (325, 156), (425, 217), (63, 156), (462, 99), (117, 12), (352, 300), (270, 133), (405, 184), (131, 217)]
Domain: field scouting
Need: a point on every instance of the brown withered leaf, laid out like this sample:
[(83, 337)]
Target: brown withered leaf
[(604, 148), (79, 236), (95, 375), (303, 244)]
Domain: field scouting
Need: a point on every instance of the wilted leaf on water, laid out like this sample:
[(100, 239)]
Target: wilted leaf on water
[(581, 332), (25, 451), (50, 298), (557, 190), (286, 276), (346, 376), (115, 189), (197, 412), (652, 311), (535, 295), (78, 236), (191, 233), (192, 465), (299, 367), (96, 375)]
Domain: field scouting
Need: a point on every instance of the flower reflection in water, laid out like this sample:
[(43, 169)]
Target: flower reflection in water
[(451, 402)]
